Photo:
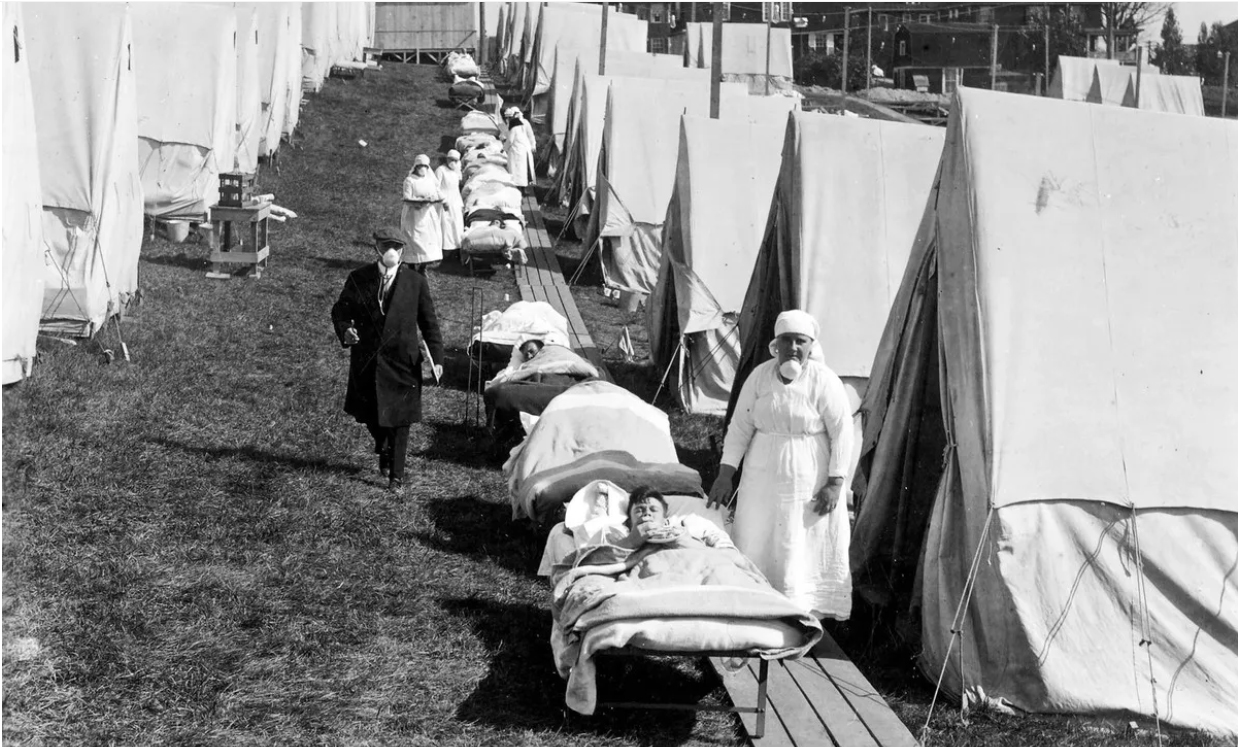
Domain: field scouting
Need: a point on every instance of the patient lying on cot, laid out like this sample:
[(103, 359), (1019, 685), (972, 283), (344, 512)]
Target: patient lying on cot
[(646, 530)]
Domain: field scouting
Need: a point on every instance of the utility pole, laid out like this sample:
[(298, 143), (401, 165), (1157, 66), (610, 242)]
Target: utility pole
[(481, 26), (993, 60), (1048, 61), (1225, 86), (846, 44), (868, 58), (715, 68), (769, 36), (1138, 74), (602, 44), (1112, 41)]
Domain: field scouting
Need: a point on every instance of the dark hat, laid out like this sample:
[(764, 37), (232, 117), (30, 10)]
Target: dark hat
[(389, 235)]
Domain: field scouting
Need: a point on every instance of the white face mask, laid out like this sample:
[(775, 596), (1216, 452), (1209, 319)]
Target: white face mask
[(791, 369), (391, 257)]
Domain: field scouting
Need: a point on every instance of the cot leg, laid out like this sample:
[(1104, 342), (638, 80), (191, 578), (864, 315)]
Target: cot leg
[(762, 678)]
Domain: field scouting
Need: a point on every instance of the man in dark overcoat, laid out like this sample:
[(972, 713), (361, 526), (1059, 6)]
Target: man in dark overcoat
[(383, 313)]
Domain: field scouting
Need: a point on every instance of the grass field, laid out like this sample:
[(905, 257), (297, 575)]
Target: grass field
[(198, 549)]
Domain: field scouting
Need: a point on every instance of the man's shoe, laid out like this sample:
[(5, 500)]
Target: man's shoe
[(384, 465), (396, 486)]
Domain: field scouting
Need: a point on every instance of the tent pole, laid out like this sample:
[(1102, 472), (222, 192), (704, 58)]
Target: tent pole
[(602, 42), (993, 60), (715, 70), (846, 49), (584, 261), (769, 35), (868, 59), (678, 354)]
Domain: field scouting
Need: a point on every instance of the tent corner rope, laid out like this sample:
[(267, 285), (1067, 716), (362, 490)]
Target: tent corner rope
[(1145, 625), (956, 629)]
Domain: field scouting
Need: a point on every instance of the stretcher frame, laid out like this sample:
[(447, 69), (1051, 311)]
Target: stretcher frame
[(647, 653)]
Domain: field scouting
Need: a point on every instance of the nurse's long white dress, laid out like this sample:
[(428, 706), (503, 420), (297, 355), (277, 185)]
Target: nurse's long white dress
[(791, 438), (422, 222), (453, 207)]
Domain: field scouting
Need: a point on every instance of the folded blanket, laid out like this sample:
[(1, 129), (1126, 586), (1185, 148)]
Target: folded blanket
[(522, 318), (502, 238), (481, 122), (488, 215), (494, 196), (543, 492), (678, 580), (484, 173), (552, 359), (474, 140)]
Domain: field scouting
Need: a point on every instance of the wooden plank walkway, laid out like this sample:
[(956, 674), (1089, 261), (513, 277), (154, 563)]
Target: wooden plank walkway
[(541, 279), (821, 699)]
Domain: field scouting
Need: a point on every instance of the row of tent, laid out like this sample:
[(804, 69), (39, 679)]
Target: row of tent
[(1034, 312), (113, 111), (1102, 81)]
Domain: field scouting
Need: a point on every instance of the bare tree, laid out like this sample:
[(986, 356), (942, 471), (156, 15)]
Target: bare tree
[(1129, 17)]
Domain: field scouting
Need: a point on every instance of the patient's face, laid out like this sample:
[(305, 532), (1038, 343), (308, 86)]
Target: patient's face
[(649, 509), (530, 349)]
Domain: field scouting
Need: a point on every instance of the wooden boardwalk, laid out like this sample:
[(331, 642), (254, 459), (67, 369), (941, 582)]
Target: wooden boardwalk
[(541, 279), (821, 699)]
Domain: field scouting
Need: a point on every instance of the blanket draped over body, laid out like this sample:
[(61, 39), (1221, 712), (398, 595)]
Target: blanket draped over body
[(683, 596)]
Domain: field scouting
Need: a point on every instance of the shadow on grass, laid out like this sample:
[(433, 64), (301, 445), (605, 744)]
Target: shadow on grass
[(182, 260), (457, 443), (476, 528), (522, 690), (337, 263), (255, 454)]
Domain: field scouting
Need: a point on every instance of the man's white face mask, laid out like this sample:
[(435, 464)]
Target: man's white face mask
[(391, 256)]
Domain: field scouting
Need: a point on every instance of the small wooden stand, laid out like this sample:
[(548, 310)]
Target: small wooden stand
[(255, 248)]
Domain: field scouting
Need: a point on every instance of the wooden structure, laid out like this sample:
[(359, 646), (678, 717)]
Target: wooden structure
[(542, 280), (425, 32), (239, 237), (820, 699)]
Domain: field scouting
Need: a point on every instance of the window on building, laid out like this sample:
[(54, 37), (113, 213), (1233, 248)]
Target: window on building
[(726, 11), (986, 15), (657, 45), (902, 49), (884, 20), (906, 18), (954, 14), (812, 40), (775, 12), (655, 16)]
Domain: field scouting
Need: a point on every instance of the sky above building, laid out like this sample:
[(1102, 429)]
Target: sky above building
[(1190, 15)]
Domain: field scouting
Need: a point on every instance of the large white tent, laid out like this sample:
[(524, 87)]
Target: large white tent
[(1175, 94), (85, 97), (577, 25), (752, 53), (275, 37), (636, 171), (1064, 338), (292, 112), (1073, 77), (567, 112), (724, 182), (318, 43), (23, 206), (845, 211), (185, 60), (248, 95)]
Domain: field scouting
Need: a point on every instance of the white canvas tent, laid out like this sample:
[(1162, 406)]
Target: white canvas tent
[(85, 101), (1066, 324), (1174, 94), (566, 25), (1072, 80), (566, 91), (275, 38), (248, 96), (318, 43), (752, 53), (23, 206), (636, 172), (185, 61), (848, 200), (512, 37), (295, 52), (724, 182)]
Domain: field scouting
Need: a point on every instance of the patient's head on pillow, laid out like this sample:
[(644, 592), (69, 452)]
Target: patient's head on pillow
[(530, 348), (646, 504)]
